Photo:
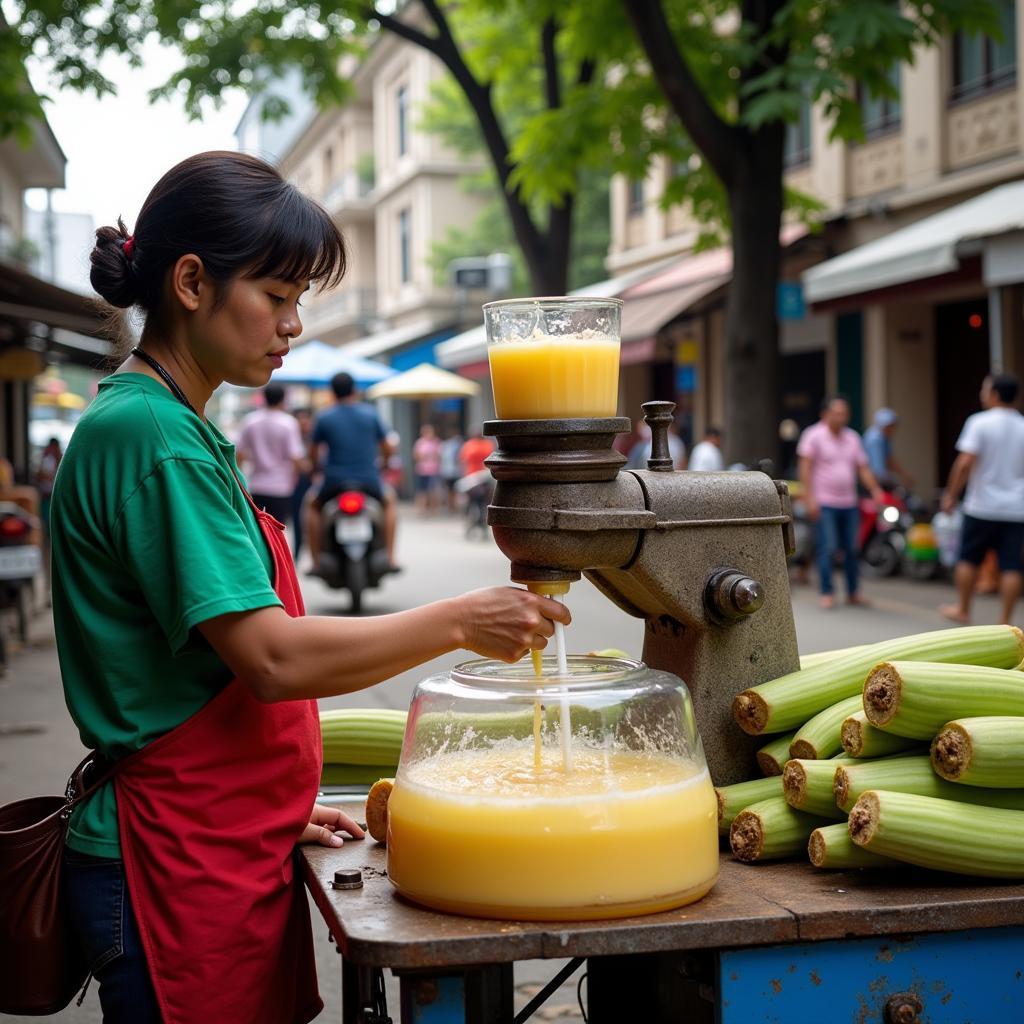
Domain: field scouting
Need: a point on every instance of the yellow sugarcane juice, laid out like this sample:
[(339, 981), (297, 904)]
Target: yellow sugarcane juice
[(477, 826), (554, 358)]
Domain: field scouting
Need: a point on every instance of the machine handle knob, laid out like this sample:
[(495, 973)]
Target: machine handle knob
[(731, 595), (658, 416)]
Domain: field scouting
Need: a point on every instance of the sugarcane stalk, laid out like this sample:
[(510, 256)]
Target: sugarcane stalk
[(831, 847), (821, 736), (354, 774), (807, 786), (824, 657), (861, 739), (916, 699), (985, 751), (914, 775), (772, 756), (733, 799), (784, 703), (770, 830), (945, 835)]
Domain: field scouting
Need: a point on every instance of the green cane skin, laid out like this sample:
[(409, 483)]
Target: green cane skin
[(824, 657), (740, 795), (821, 737), (945, 835), (871, 742), (772, 756), (785, 830), (995, 752), (930, 695), (831, 847), (816, 796), (354, 774), (915, 775), (785, 703)]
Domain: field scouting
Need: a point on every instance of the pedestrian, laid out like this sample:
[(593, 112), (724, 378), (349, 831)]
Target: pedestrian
[(878, 445), (990, 464), (707, 454), (451, 469), (474, 452), (184, 654), (349, 439), (304, 417), (271, 453), (46, 473), (832, 459), (426, 455)]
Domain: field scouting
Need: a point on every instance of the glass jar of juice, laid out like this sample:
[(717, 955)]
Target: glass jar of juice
[(554, 358), (561, 797)]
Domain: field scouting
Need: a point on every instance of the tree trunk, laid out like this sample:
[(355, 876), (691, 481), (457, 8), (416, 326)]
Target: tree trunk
[(752, 376)]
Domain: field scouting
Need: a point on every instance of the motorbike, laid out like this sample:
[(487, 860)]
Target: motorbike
[(353, 556), (890, 537), (21, 560), (476, 490)]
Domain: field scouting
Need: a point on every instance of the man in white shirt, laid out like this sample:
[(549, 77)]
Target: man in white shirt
[(991, 464), (707, 454)]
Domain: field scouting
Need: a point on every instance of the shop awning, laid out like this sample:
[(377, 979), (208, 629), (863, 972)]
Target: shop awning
[(932, 246), (383, 342)]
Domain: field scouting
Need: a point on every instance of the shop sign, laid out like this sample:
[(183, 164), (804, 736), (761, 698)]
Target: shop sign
[(789, 301)]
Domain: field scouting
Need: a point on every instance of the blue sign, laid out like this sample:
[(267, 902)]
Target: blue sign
[(686, 379), (789, 301)]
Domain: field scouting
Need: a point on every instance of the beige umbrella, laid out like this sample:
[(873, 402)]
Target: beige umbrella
[(425, 381)]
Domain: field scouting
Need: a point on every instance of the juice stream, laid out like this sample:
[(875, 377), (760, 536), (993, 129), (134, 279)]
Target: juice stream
[(558, 592)]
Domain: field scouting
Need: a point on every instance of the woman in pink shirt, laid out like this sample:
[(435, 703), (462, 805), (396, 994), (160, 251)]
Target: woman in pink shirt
[(832, 458), (426, 453)]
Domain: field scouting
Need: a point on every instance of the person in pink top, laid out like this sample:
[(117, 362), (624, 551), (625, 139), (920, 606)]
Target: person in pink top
[(271, 452), (426, 453), (832, 459)]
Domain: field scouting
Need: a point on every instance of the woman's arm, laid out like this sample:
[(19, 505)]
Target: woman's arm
[(282, 658)]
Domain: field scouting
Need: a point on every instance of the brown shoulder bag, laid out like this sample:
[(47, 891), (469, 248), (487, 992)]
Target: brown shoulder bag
[(41, 964)]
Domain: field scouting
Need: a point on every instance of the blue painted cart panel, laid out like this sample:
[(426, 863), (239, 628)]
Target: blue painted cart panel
[(440, 1000), (970, 977)]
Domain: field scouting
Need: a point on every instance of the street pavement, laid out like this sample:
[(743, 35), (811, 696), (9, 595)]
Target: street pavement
[(39, 745)]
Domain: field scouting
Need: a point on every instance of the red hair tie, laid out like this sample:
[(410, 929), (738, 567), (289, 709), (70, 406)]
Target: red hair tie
[(129, 247)]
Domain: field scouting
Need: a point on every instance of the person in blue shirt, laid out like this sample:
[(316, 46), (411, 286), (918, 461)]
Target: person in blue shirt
[(348, 441), (878, 445)]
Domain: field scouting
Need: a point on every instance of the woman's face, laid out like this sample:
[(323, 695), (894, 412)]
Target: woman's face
[(246, 337)]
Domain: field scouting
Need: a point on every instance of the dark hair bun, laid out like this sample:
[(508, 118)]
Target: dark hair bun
[(111, 273)]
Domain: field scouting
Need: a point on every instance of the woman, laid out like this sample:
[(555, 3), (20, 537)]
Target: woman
[(183, 651), (426, 454)]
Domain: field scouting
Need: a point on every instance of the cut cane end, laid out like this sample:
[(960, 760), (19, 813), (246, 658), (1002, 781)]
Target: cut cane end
[(816, 851), (794, 783), (852, 737), (841, 788), (803, 750), (751, 712), (377, 809), (951, 752), (768, 765), (864, 818), (746, 837), (882, 694)]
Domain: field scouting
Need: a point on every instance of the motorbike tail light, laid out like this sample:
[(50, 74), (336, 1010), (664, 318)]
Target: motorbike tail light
[(352, 502), (13, 527)]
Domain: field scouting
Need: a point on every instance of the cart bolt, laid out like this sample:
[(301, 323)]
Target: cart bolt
[(348, 879), (903, 1008), (731, 596)]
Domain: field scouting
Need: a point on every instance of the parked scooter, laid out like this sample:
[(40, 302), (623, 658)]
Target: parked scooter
[(890, 538), (477, 489), (20, 562), (353, 556)]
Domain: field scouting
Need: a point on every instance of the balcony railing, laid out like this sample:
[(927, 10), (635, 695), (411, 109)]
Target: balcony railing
[(346, 305), (350, 187)]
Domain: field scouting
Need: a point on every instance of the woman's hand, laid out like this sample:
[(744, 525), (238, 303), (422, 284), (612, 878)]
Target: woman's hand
[(506, 622), (325, 824)]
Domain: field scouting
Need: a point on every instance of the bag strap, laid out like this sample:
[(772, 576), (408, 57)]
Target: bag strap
[(78, 789)]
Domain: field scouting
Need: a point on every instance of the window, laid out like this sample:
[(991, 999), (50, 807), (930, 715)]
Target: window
[(405, 245), (881, 114), (981, 63), (402, 104), (797, 149), (636, 198)]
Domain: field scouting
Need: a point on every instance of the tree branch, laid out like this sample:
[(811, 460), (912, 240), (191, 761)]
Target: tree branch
[(404, 31), (552, 88), (716, 139), (587, 70)]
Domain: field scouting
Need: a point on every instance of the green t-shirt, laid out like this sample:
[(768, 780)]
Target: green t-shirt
[(152, 535)]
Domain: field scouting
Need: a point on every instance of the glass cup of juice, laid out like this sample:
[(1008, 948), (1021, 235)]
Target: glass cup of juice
[(554, 358)]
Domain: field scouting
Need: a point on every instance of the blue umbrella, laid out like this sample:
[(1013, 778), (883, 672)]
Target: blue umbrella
[(315, 363)]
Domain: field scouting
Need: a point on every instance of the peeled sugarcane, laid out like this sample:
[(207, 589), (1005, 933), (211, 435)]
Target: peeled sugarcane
[(823, 657), (354, 774), (831, 847), (807, 786), (916, 699), (792, 699), (821, 736), (772, 756), (770, 830), (986, 751), (945, 835), (733, 799), (860, 739), (363, 736), (913, 775)]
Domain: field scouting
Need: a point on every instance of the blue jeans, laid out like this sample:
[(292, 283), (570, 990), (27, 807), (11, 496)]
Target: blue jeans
[(837, 531), (102, 917)]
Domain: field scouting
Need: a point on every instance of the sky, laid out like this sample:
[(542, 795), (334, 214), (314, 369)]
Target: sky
[(118, 147)]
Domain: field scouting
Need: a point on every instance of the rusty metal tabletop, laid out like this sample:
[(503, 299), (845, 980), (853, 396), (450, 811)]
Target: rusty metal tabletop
[(752, 905)]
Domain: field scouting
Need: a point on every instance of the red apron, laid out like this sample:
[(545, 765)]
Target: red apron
[(209, 817)]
